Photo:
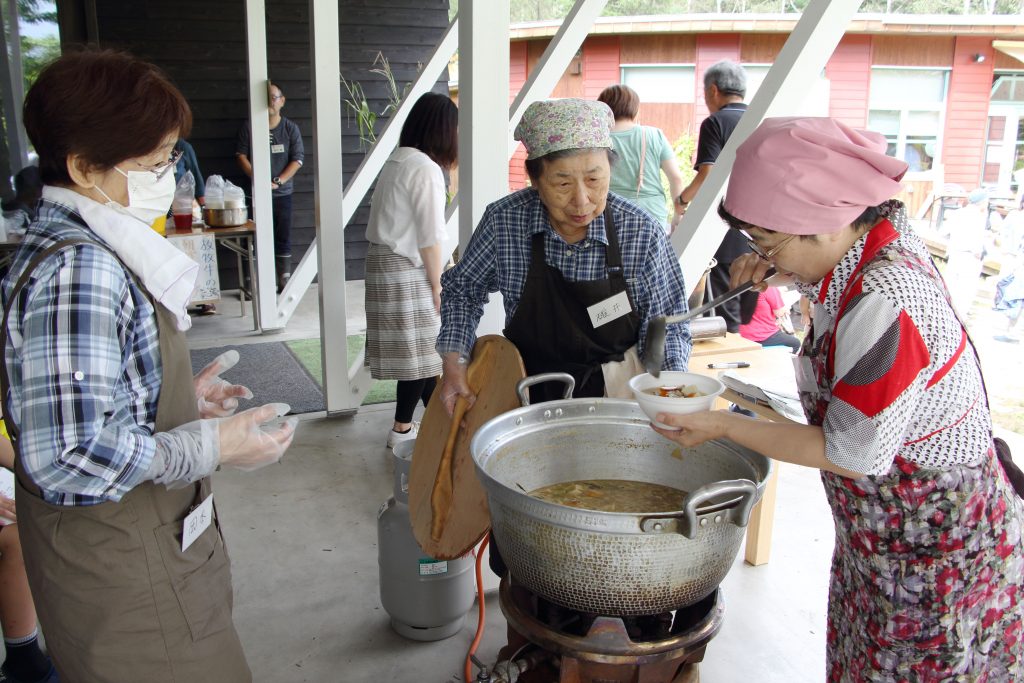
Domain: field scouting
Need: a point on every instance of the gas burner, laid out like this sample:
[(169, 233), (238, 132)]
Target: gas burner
[(548, 643)]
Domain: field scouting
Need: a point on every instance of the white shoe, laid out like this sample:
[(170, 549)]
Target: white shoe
[(395, 438)]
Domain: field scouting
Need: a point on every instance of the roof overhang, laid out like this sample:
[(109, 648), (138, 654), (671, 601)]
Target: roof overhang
[(1014, 48), (997, 26)]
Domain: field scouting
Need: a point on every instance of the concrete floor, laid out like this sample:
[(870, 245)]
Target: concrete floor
[(303, 543), (302, 537)]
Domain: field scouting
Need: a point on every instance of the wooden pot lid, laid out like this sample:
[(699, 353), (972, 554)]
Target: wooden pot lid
[(468, 518)]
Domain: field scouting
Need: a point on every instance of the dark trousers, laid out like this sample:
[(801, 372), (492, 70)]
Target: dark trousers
[(282, 224), (781, 338), (718, 278), (408, 392)]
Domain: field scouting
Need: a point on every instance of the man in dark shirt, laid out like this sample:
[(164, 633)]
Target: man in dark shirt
[(725, 85), (286, 155)]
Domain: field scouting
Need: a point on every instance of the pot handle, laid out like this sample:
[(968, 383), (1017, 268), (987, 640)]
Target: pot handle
[(687, 522), (524, 384)]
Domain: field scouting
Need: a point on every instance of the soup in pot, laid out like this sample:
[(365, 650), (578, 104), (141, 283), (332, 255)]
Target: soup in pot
[(613, 495)]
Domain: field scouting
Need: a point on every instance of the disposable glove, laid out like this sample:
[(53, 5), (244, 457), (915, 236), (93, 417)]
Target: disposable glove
[(192, 451), (218, 397), (248, 443)]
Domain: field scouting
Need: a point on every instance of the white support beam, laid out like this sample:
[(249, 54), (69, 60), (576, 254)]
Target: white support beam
[(555, 60), (256, 59), (13, 87), (483, 85), (800, 62), (341, 394), (366, 174), (484, 88)]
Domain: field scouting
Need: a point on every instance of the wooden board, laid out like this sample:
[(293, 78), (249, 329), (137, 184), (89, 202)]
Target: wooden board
[(730, 343), (469, 518)]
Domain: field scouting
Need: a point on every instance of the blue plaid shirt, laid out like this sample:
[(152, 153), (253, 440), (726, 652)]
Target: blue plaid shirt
[(498, 258), (84, 365)]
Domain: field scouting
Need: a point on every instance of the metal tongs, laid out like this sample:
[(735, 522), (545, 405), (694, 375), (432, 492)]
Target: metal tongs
[(654, 351)]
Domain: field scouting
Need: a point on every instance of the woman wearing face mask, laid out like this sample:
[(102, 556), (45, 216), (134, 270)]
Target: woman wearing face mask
[(114, 438)]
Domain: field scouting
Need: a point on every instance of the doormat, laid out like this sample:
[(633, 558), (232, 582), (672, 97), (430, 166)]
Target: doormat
[(308, 353), (272, 373)]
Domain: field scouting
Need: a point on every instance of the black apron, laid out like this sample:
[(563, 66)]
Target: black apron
[(552, 329)]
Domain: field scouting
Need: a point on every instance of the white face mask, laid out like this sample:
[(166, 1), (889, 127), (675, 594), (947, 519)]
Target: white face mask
[(149, 197)]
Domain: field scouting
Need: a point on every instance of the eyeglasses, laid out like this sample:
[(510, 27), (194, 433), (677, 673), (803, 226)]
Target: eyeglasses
[(160, 170), (275, 98), (759, 250)]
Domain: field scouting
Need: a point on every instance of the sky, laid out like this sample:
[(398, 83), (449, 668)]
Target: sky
[(39, 30)]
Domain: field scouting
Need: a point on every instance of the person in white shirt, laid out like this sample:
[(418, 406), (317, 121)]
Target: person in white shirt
[(404, 261)]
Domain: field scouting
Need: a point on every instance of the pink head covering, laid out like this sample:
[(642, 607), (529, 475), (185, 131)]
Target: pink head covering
[(808, 176)]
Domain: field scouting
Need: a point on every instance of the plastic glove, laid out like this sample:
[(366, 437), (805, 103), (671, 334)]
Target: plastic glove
[(218, 397), (245, 443), (184, 454), (192, 451)]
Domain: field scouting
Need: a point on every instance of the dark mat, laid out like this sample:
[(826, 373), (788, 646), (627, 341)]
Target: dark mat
[(271, 372)]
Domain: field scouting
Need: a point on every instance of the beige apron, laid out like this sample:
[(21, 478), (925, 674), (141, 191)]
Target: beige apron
[(117, 599)]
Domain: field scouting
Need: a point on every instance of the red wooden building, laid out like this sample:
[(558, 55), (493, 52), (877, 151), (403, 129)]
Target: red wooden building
[(945, 90)]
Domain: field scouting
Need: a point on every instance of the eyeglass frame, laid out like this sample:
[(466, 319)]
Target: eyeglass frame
[(275, 98), (160, 170), (760, 251)]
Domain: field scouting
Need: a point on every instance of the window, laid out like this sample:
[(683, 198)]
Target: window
[(660, 82), (1008, 88), (755, 77), (906, 106)]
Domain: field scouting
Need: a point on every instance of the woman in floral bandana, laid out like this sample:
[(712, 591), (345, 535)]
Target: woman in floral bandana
[(928, 564), (580, 270)]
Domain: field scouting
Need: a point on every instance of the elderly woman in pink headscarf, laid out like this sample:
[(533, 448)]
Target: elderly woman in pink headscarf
[(927, 567)]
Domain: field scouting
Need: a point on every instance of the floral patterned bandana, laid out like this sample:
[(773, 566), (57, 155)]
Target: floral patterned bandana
[(553, 125)]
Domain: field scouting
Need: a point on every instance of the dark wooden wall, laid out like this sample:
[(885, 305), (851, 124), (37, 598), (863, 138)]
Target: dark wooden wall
[(201, 45)]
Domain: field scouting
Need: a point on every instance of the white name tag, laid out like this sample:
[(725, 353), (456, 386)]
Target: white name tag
[(277, 149), (196, 522), (610, 309)]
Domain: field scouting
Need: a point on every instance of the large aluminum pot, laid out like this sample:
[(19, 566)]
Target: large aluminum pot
[(607, 563)]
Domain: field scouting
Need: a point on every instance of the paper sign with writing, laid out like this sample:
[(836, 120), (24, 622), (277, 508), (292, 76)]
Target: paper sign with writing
[(203, 250), (196, 522), (613, 307)]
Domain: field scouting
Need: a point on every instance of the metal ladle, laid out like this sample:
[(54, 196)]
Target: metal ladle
[(654, 352)]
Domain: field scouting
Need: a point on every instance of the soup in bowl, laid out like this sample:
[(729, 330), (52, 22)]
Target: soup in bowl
[(674, 392)]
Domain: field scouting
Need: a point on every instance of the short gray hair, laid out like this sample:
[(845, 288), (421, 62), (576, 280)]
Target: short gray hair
[(728, 77)]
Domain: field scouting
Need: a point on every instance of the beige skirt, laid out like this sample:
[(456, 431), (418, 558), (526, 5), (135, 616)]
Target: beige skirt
[(401, 323)]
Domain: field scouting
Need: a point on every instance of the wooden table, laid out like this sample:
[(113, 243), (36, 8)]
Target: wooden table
[(735, 348), (241, 240)]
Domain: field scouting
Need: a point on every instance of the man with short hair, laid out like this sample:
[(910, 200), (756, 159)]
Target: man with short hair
[(725, 86), (286, 155)]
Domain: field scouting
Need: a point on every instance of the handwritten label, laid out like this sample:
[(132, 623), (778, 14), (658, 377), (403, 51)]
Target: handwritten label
[(610, 309), (277, 149), (196, 522), (203, 250)]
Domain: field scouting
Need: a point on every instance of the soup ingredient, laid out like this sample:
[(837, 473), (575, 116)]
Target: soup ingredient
[(687, 391), (613, 495)]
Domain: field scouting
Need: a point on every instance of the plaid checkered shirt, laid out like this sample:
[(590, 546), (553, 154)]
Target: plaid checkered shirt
[(498, 258), (84, 365)]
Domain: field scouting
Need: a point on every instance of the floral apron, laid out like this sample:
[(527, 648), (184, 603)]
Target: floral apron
[(926, 574)]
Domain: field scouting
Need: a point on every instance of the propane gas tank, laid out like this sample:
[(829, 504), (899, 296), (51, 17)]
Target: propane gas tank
[(426, 598)]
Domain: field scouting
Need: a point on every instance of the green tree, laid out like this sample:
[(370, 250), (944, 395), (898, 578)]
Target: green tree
[(37, 11), (37, 53)]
